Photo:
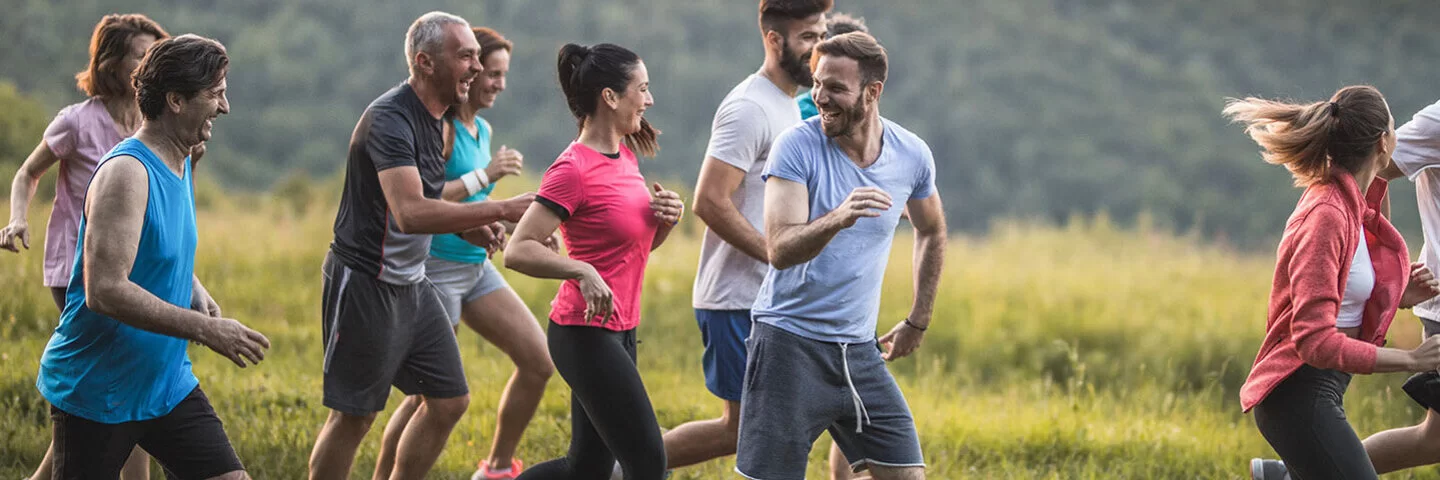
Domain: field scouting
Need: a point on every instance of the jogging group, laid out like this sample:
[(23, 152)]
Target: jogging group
[(800, 210), (801, 189)]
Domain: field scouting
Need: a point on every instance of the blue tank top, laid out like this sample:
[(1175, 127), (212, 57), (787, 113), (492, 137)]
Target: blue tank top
[(100, 369), (468, 153)]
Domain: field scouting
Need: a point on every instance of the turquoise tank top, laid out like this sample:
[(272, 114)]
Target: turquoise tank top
[(468, 153), (101, 369)]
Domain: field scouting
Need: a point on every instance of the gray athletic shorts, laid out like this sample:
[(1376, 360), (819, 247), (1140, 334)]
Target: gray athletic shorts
[(796, 388), (462, 283), (1431, 327), (379, 334)]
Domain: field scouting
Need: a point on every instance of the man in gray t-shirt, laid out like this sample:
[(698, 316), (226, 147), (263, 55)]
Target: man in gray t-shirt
[(383, 323), (729, 198)]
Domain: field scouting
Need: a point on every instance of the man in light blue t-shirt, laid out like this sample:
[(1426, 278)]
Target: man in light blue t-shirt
[(830, 218), (835, 24)]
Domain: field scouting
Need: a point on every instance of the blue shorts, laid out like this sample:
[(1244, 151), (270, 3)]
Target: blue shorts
[(724, 333), (796, 388)]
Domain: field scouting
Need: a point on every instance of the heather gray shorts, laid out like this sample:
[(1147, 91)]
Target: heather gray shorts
[(796, 388), (462, 283)]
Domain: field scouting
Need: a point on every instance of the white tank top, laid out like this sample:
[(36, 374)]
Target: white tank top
[(1357, 287)]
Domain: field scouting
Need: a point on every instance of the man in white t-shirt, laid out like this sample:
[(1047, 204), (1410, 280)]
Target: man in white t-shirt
[(1417, 153), (729, 198)]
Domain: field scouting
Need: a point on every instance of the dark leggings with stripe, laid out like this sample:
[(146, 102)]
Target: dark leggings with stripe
[(610, 414), (1304, 420)]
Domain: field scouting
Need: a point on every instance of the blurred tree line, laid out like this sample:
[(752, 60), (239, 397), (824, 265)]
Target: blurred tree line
[(1035, 108)]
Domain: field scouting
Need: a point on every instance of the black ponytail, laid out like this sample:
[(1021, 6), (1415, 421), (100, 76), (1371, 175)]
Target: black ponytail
[(585, 71)]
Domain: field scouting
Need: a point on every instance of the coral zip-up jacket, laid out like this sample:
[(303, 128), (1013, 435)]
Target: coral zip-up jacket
[(1311, 267)]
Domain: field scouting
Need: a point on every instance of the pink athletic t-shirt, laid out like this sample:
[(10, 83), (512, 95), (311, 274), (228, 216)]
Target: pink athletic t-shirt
[(80, 136), (604, 205)]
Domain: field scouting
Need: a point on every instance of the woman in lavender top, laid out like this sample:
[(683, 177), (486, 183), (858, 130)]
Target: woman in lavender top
[(78, 137)]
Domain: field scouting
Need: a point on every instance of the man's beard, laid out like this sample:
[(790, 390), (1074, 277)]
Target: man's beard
[(796, 66), (848, 119)]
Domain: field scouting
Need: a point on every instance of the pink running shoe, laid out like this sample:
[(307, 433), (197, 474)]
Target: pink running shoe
[(485, 473)]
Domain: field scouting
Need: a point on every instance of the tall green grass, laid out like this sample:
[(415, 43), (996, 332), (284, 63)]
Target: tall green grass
[(1079, 352)]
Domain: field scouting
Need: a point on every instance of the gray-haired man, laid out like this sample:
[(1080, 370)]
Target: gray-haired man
[(383, 323)]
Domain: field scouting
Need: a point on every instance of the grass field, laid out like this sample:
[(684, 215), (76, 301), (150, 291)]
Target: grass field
[(1079, 352)]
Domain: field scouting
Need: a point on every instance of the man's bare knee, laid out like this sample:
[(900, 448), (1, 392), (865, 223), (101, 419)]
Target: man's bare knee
[(450, 409), (350, 420), (897, 473)]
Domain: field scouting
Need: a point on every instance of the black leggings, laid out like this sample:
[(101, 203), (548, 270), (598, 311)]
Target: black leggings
[(610, 413), (1304, 420)]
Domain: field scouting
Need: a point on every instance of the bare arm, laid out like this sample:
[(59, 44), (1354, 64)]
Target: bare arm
[(1389, 360), (22, 191), (928, 217), (715, 205), (661, 233), (201, 301), (115, 215), (416, 214), (791, 239), (454, 190), (528, 254)]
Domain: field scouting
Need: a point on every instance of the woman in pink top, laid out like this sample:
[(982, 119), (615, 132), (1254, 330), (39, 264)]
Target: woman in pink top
[(77, 139), (1341, 272), (610, 222)]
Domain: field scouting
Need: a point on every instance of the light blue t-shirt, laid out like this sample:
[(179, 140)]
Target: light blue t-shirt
[(103, 370), (835, 297), (467, 154)]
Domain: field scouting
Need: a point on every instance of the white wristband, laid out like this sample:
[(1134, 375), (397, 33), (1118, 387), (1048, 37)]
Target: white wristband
[(472, 184), (482, 177)]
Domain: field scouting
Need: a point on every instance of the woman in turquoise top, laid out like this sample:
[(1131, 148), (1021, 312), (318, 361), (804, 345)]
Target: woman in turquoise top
[(470, 286)]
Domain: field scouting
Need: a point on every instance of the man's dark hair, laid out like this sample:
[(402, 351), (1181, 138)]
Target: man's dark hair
[(775, 14), (843, 23), (861, 47), (185, 64)]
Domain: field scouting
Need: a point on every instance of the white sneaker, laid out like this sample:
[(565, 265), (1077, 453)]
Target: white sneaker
[(1263, 469)]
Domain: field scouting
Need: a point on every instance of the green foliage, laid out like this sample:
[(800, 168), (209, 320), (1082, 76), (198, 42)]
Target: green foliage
[(22, 120), (1035, 108)]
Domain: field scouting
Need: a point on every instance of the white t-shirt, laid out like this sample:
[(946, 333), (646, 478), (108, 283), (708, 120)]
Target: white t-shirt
[(1417, 149), (747, 121), (1358, 286)]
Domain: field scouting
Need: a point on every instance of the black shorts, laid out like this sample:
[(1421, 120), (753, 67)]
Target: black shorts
[(189, 442), (379, 334)]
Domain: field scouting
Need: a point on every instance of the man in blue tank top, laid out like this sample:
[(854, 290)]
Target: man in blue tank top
[(116, 372)]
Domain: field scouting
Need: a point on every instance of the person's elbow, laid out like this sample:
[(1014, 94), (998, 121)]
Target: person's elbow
[(934, 233), (102, 297), (517, 256), (777, 257), (707, 207), (1326, 351), (410, 218), (1314, 355)]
